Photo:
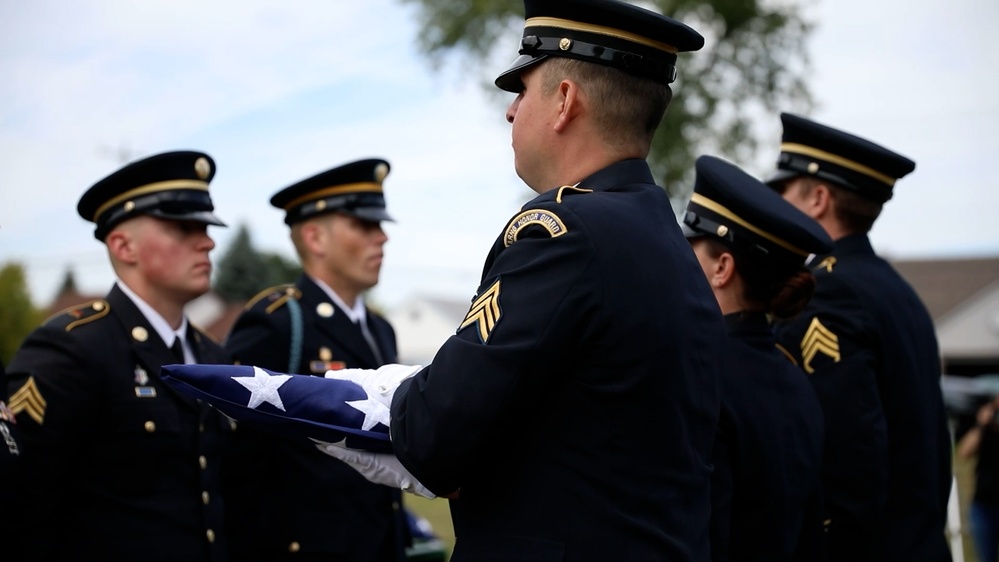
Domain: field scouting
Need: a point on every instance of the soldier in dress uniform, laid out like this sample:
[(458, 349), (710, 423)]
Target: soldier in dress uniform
[(869, 347), (573, 411), (115, 464), (10, 449), (291, 501), (752, 245)]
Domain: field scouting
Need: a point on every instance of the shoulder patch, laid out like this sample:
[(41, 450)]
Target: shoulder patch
[(28, 399), (484, 313), (826, 264), (568, 190), (274, 297), (80, 314), (818, 339), (541, 217)]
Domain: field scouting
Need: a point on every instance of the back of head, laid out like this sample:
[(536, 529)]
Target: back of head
[(864, 172), (769, 238), (170, 185), (626, 56)]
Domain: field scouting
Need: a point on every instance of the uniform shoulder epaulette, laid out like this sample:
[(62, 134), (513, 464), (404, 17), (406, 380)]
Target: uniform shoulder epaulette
[(274, 298), (787, 354), (569, 190), (79, 315), (826, 264)]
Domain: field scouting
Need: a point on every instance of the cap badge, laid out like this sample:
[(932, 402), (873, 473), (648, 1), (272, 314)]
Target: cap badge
[(381, 170), (139, 333), (565, 43), (324, 309), (202, 168)]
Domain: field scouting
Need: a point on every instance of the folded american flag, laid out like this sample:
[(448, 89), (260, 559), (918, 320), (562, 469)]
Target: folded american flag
[(329, 410)]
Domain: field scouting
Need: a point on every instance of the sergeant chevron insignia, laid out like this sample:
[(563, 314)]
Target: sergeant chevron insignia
[(544, 218), (484, 312), (818, 339), (29, 399)]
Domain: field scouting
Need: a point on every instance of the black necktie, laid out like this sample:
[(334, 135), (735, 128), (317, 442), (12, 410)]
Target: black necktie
[(178, 350), (371, 341)]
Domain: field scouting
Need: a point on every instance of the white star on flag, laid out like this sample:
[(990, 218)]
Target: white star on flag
[(263, 388), (374, 412)]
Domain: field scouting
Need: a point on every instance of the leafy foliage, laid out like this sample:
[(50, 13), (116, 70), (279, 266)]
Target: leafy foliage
[(751, 68), (18, 316), (243, 271)]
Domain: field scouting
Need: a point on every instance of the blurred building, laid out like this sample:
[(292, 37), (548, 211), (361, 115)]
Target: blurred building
[(423, 323), (962, 295)]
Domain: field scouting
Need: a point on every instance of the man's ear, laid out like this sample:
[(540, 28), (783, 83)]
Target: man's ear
[(821, 200), (570, 99), (314, 233), (121, 243), (724, 270)]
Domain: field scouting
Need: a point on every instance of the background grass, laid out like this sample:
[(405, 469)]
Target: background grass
[(438, 513)]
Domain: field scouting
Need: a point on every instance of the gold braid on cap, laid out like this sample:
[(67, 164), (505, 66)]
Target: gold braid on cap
[(172, 185), (599, 30), (795, 148), (370, 187), (724, 211)]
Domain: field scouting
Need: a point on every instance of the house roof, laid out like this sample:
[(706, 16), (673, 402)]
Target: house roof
[(943, 284)]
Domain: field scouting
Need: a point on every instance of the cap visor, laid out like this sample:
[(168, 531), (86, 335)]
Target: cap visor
[(780, 176), (206, 217), (509, 80), (373, 214)]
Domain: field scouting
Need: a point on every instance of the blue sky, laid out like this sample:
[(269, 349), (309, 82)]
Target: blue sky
[(276, 92)]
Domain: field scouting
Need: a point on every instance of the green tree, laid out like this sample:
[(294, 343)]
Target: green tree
[(68, 283), (243, 271), (751, 67), (18, 316), (281, 269)]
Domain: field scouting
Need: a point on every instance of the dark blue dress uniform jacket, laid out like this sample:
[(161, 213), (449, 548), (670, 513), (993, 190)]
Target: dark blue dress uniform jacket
[(289, 499), (766, 494), (121, 466), (10, 442), (869, 346), (576, 405)]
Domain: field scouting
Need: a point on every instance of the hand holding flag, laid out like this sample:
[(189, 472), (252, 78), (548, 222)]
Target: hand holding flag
[(380, 384), (380, 468)]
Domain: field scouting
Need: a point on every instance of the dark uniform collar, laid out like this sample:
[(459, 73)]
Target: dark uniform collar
[(747, 321), (624, 172), (858, 243)]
